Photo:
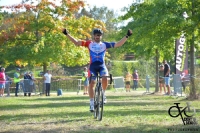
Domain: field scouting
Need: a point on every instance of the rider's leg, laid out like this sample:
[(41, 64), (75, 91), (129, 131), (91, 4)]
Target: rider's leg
[(104, 83), (104, 72), (91, 89), (91, 94), (104, 86)]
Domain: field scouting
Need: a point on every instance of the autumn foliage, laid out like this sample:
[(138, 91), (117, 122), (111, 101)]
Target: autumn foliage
[(31, 32)]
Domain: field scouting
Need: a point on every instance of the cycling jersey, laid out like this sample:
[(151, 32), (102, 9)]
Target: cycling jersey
[(97, 50), (97, 53)]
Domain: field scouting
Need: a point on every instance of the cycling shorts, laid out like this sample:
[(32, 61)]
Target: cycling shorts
[(98, 68)]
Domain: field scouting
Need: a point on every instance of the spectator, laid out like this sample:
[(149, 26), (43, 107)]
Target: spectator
[(85, 80), (128, 79), (32, 82), (17, 79), (47, 80), (7, 85), (166, 77), (2, 81), (27, 78), (183, 81), (161, 79), (135, 80)]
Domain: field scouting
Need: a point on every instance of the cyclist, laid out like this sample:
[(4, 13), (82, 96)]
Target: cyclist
[(97, 50)]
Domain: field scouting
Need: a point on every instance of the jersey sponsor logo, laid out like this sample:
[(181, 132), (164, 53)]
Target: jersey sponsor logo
[(97, 48)]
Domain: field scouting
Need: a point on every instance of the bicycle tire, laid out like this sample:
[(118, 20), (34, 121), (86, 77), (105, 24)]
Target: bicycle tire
[(96, 102), (101, 104)]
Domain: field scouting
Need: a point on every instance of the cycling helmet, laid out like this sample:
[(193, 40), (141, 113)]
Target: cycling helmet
[(97, 31)]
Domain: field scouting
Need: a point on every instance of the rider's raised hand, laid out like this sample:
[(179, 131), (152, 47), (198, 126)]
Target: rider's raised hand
[(129, 33), (64, 31)]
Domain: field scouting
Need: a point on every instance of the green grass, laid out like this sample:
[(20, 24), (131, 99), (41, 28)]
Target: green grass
[(124, 113)]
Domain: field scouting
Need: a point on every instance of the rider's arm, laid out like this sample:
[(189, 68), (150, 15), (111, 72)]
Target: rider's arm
[(123, 40), (76, 42)]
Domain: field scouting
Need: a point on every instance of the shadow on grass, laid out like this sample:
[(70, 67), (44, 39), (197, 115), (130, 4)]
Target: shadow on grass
[(95, 128), (148, 128), (77, 110), (60, 98), (72, 102)]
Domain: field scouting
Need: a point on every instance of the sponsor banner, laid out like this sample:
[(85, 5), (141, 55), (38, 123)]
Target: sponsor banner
[(181, 56)]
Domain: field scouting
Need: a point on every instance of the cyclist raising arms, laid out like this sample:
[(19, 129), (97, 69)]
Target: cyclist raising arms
[(97, 50)]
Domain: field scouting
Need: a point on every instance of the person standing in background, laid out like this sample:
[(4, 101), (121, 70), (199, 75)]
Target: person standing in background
[(128, 79), (32, 82), (17, 79), (27, 78), (166, 76), (85, 80), (161, 79), (7, 85), (183, 80), (135, 80), (47, 80), (2, 81)]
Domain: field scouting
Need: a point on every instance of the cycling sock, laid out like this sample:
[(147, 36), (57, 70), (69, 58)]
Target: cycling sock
[(104, 92), (91, 101)]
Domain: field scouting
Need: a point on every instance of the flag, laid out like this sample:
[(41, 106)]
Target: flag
[(181, 56)]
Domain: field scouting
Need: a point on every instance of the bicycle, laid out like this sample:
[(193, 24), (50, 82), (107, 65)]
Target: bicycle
[(99, 97)]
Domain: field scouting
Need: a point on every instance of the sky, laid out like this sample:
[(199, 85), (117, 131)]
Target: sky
[(111, 4)]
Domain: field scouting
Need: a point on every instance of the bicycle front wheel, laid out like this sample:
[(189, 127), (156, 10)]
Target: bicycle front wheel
[(101, 104), (96, 101)]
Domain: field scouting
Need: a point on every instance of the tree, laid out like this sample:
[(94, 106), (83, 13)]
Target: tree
[(191, 30), (156, 24), (33, 35)]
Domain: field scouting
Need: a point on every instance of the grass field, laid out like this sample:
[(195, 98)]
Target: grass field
[(125, 112)]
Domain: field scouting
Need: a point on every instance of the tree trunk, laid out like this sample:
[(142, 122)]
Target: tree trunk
[(192, 64), (192, 70), (44, 71), (44, 67), (157, 76)]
